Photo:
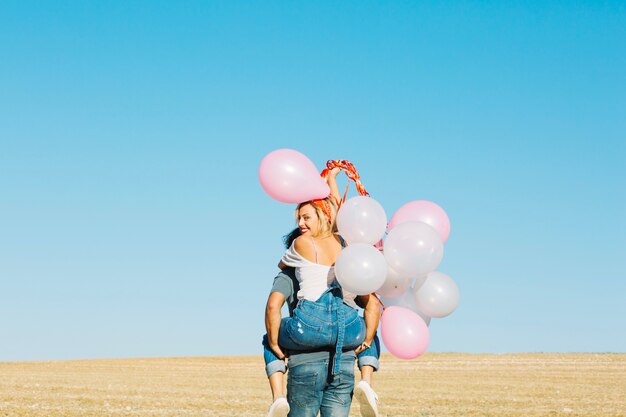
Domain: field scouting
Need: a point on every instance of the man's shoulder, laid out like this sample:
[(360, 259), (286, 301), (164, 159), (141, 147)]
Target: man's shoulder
[(285, 282), (287, 273)]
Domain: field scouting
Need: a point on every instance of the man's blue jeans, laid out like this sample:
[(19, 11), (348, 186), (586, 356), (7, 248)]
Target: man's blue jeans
[(311, 389)]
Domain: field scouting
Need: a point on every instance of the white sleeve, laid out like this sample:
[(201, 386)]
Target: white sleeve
[(293, 258)]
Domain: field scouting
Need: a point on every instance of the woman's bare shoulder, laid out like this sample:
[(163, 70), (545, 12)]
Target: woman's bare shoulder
[(304, 247)]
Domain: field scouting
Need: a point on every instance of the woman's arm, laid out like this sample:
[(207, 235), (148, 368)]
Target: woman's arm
[(332, 183), (371, 314), (272, 321)]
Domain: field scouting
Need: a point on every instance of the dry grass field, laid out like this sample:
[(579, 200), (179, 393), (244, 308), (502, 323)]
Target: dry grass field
[(437, 385)]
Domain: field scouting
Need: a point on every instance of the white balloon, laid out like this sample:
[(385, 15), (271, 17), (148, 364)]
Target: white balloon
[(360, 269), (361, 220), (413, 248), (406, 300), (419, 281), (438, 296), (395, 284)]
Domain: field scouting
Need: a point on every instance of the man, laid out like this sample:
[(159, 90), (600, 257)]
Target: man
[(311, 385)]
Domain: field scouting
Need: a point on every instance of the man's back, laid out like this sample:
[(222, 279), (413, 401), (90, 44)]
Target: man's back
[(311, 387)]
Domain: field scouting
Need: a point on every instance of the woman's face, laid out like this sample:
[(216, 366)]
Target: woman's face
[(308, 221)]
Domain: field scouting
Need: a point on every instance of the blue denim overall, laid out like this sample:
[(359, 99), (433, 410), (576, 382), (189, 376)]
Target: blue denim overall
[(322, 324)]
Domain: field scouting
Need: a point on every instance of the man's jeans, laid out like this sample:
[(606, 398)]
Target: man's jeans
[(312, 389)]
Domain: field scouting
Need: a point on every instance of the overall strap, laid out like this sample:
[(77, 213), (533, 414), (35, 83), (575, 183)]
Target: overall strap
[(341, 331)]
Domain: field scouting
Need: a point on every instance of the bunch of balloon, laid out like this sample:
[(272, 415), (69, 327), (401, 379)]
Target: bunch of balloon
[(360, 267), (413, 290), (405, 276)]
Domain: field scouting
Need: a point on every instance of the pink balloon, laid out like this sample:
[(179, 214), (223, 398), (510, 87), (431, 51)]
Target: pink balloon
[(423, 211), (290, 177), (405, 334)]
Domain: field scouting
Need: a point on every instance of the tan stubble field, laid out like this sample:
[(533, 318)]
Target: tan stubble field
[(434, 385)]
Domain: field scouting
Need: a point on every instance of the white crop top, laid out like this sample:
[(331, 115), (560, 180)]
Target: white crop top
[(313, 278)]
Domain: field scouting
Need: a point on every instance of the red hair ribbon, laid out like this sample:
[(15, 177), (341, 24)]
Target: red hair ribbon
[(352, 174), (324, 205), (350, 171)]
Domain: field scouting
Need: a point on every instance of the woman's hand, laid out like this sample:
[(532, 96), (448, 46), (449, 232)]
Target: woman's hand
[(335, 171)]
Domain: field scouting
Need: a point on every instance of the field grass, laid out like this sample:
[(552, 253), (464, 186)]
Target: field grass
[(434, 385)]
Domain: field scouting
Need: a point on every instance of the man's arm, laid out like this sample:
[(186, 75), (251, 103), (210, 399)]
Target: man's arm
[(272, 321), (371, 314)]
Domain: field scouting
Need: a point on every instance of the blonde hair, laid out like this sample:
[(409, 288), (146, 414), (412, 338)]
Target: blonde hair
[(327, 226)]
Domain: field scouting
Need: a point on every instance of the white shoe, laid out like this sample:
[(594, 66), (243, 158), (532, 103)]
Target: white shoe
[(279, 408), (367, 398)]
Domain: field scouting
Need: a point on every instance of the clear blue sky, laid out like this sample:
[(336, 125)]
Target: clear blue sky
[(132, 222)]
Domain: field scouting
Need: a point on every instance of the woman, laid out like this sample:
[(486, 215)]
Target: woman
[(325, 316)]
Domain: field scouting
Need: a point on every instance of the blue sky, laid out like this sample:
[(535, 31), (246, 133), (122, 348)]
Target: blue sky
[(132, 222)]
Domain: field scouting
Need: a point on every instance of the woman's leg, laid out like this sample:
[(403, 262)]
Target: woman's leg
[(277, 385), (363, 392), (354, 329), (275, 369), (368, 360), (367, 371)]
